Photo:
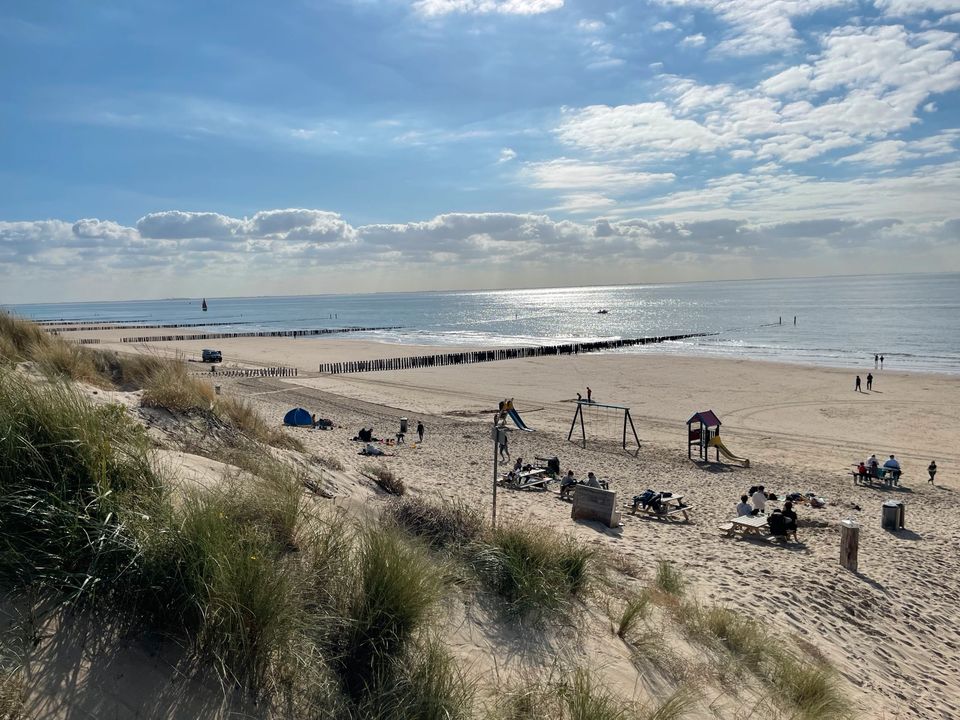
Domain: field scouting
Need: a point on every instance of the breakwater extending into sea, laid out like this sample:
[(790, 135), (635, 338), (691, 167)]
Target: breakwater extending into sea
[(480, 356)]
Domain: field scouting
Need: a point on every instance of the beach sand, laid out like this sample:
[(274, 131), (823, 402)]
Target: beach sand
[(890, 629)]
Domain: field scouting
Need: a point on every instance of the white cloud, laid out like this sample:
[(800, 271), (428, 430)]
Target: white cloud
[(893, 152), (591, 26), (694, 40), (566, 174), (458, 241), (904, 8), (506, 155), (930, 107), (485, 7), (663, 26), (758, 26)]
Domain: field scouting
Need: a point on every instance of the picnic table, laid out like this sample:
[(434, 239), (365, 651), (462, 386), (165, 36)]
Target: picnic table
[(672, 508), (537, 477), (888, 476), (747, 526)]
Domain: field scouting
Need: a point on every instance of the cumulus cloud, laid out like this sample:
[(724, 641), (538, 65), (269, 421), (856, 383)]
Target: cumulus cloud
[(904, 8), (486, 7), (506, 155), (567, 174)]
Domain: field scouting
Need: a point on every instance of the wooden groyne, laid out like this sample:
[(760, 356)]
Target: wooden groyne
[(80, 327), (262, 333), (479, 356), (250, 372)]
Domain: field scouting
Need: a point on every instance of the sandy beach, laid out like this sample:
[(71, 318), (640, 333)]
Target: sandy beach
[(889, 628)]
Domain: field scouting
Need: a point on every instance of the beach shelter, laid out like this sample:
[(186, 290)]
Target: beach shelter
[(297, 416)]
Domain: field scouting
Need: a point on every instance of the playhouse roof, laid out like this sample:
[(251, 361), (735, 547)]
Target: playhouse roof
[(706, 417)]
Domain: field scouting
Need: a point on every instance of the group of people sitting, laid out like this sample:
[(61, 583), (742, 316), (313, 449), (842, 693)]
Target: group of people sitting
[(782, 522), (570, 482), (871, 468)]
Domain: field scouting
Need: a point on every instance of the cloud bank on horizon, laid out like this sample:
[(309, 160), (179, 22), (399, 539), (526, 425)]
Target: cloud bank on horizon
[(473, 143)]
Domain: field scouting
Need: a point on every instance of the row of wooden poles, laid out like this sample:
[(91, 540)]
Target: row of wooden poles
[(479, 356), (262, 333), (251, 372), (80, 327)]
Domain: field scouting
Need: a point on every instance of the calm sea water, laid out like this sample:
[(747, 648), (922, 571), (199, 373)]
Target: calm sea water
[(913, 320)]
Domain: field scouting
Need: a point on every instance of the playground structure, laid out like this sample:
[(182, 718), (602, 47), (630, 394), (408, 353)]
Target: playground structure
[(579, 415), (706, 436), (507, 410)]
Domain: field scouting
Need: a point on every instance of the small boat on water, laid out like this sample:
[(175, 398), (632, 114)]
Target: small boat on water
[(204, 306), (602, 312)]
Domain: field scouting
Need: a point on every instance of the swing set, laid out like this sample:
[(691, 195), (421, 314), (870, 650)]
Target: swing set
[(583, 405)]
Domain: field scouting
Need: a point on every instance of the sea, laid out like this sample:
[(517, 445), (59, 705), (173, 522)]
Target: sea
[(912, 320)]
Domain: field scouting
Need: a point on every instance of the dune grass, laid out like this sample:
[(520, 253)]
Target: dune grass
[(634, 610), (810, 690), (669, 579), (449, 523), (395, 590), (241, 414), (385, 479), (533, 572), (581, 696), (19, 337), (171, 387), (78, 496)]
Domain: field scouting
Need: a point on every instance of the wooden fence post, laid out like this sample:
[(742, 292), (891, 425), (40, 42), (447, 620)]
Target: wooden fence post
[(849, 544)]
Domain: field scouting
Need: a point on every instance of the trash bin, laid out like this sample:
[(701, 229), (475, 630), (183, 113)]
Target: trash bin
[(891, 515), (902, 516), (403, 425), (216, 389)]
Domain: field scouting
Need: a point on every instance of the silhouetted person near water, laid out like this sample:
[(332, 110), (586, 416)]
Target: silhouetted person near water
[(869, 381), (881, 362), (856, 387), (876, 359)]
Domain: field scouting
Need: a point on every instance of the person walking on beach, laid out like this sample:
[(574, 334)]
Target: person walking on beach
[(589, 394), (932, 469), (420, 429), (876, 359), (869, 381), (881, 362), (504, 448), (856, 387)]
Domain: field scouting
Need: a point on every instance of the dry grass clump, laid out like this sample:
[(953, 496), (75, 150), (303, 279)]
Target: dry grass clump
[(19, 337), (127, 372), (669, 579), (241, 414), (582, 697), (450, 523), (171, 387), (385, 479), (635, 610), (12, 694), (328, 462)]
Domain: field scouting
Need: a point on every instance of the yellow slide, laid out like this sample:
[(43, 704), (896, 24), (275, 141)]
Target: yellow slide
[(718, 444)]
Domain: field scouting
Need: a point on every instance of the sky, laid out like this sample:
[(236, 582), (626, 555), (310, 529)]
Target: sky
[(163, 149)]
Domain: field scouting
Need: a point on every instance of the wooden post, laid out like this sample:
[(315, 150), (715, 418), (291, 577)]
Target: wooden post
[(849, 544)]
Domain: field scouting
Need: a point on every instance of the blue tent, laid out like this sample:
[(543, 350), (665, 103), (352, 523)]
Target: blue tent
[(297, 416)]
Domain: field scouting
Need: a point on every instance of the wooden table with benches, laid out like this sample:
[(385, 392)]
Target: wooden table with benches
[(673, 508), (537, 477), (888, 476), (747, 526)]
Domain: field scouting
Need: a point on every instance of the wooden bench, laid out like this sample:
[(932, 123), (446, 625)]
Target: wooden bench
[(674, 507)]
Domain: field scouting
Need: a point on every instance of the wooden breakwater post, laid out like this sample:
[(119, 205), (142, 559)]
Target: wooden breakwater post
[(849, 543)]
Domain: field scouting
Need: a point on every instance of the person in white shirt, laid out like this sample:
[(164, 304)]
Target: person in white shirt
[(759, 500), (592, 480), (743, 508)]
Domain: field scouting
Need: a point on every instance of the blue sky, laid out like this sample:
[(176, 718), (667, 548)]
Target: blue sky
[(184, 148)]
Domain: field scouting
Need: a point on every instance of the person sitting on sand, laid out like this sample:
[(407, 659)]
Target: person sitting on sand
[(778, 524), (759, 499), (567, 485), (791, 515), (743, 508), (518, 465)]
